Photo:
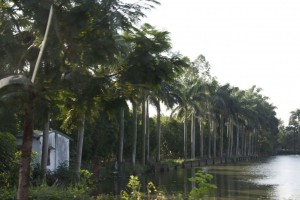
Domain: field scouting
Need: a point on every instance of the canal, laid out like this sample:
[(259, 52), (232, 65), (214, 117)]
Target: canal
[(276, 177)]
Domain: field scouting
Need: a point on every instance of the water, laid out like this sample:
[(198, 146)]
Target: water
[(276, 178), (282, 173)]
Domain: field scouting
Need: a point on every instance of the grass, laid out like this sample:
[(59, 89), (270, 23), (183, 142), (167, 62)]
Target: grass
[(172, 161)]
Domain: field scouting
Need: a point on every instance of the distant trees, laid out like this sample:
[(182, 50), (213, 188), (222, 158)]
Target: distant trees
[(289, 136)]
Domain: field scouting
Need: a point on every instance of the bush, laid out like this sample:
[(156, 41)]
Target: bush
[(9, 164), (203, 185), (132, 191), (56, 192)]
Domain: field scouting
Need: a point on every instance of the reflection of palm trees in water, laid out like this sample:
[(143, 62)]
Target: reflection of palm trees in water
[(185, 182), (193, 175), (116, 182)]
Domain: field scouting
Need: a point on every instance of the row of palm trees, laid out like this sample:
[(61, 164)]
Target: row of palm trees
[(236, 120)]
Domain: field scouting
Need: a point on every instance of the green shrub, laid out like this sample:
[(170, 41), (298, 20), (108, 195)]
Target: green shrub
[(8, 161), (133, 192), (8, 149), (63, 176), (203, 185), (56, 192), (133, 189), (8, 194)]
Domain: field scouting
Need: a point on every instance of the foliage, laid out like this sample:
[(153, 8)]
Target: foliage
[(86, 181), (8, 194), (289, 136), (172, 161), (203, 185), (172, 138), (100, 138), (63, 185), (65, 176), (133, 186), (133, 190), (7, 150), (9, 162), (56, 192), (9, 122)]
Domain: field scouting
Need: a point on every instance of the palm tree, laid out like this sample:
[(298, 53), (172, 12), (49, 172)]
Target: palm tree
[(134, 112), (182, 111), (147, 67), (121, 136), (222, 109), (188, 108), (22, 88), (201, 137), (167, 94), (294, 123), (193, 92)]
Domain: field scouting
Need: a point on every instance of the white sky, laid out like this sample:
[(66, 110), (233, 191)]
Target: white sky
[(247, 42)]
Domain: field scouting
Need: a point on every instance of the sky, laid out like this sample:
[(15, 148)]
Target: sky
[(247, 42)]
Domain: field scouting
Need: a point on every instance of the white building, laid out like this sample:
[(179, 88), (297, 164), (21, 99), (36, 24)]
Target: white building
[(58, 148)]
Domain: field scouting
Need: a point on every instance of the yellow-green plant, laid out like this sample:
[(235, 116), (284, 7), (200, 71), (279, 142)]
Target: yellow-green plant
[(203, 185), (133, 191), (133, 186), (85, 183)]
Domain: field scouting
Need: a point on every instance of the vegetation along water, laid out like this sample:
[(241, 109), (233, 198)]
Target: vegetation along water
[(275, 177), (88, 93)]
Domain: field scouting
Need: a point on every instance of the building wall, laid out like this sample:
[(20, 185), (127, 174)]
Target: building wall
[(59, 152), (58, 145), (62, 153), (52, 147), (37, 147)]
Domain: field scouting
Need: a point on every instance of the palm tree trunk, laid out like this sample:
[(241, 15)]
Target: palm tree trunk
[(209, 137), (134, 110), (193, 136), (144, 130), (245, 143), (249, 147), (201, 138), (79, 146), (148, 131), (231, 138), (215, 138), (254, 142), (237, 152), (158, 130), (228, 138), (45, 147), (242, 140), (24, 170), (185, 137), (221, 135), (121, 136)]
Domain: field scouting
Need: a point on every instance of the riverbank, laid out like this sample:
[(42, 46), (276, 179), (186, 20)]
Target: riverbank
[(161, 167)]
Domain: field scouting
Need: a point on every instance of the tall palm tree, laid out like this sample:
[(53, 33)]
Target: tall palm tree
[(147, 66), (167, 94), (294, 121), (134, 143), (187, 108), (22, 88)]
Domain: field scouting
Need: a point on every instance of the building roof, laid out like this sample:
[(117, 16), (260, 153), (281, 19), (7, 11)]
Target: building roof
[(38, 133)]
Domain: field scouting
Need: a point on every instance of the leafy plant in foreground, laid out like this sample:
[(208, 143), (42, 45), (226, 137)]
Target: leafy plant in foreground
[(203, 185), (133, 191)]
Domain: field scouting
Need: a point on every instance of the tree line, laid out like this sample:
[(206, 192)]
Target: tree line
[(100, 72)]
